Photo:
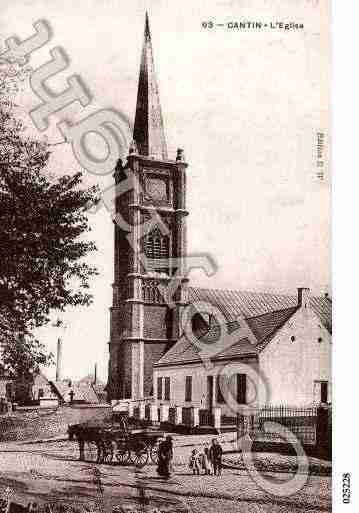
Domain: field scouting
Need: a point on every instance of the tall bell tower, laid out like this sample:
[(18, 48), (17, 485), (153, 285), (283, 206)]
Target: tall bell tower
[(151, 202)]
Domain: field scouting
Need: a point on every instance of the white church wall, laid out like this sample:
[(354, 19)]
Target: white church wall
[(200, 396), (297, 361)]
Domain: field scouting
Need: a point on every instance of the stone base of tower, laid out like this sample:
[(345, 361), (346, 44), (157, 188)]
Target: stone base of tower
[(152, 353), (131, 368)]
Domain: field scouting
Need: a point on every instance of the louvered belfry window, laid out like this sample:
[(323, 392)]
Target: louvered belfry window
[(157, 248)]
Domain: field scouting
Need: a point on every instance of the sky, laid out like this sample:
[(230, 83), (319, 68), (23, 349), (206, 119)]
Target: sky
[(246, 107)]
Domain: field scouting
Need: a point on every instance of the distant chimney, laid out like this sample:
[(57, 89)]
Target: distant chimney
[(303, 297), (59, 359), (95, 375)]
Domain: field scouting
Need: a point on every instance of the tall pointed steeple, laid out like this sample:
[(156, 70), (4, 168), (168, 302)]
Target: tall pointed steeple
[(143, 325), (148, 129)]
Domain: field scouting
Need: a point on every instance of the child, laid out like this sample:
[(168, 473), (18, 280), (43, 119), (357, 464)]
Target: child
[(195, 462)]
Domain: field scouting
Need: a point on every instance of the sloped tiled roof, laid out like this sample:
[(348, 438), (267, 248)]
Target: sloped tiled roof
[(100, 391), (322, 306), (237, 303), (88, 393), (61, 387), (82, 391), (214, 333), (263, 313), (184, 351), (264, 325)]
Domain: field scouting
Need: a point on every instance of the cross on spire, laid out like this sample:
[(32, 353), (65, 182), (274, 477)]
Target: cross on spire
[(148, 129)]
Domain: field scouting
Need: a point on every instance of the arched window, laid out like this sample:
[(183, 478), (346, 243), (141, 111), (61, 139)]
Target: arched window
[(151, 293), (157, 249), (145, 292)]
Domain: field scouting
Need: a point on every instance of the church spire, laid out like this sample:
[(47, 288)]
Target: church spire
[(148, 130)]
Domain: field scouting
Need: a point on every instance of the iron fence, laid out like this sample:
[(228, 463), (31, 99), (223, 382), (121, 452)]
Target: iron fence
[(227, 420), (302, 422), (172, 415), (206, 418)]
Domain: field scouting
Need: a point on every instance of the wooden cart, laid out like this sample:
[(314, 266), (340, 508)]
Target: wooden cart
[(116, 443)]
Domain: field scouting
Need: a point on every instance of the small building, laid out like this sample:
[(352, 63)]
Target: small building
[(41, 387), (96, 385), (275, 352), (7, 385), (30, 389), (80, 392)]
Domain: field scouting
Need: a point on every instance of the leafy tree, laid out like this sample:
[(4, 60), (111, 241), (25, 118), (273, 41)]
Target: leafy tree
[(22, 356), (42, 246)]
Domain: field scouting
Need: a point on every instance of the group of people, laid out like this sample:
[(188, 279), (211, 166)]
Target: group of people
[(210, 460)]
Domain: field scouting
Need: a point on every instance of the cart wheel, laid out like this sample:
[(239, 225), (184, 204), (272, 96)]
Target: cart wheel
[(107, 451), (139, 455), (72, 448), (92, 452), (122, 453), (154, 453)]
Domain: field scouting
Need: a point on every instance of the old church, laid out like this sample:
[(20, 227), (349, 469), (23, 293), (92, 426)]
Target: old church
[(288, 337)]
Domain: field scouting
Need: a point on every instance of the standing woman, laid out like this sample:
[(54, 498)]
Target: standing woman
[(215, 453), (165, 457), (206, 461)]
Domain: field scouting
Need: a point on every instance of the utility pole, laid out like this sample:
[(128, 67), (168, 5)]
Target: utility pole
[(59, 359), (59, 324)]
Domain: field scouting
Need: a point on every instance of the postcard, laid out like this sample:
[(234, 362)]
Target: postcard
[(166, 296)]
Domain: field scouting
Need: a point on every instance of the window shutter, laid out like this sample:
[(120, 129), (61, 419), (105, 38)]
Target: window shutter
[(159, 388), (220, 398), (324, 392), (167, 389), (241, 388), (188, 388)]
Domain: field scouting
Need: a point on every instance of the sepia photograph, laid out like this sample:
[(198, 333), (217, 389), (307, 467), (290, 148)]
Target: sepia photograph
[(165, 283)]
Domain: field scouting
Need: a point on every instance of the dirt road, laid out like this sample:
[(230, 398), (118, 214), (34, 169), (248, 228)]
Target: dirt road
[(49, 471)]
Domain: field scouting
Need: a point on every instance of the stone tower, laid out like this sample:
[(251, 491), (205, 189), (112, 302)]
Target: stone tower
[(150, 201)]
